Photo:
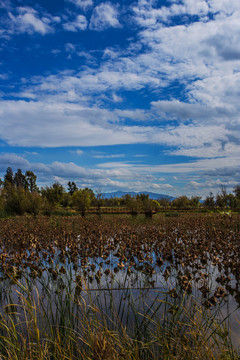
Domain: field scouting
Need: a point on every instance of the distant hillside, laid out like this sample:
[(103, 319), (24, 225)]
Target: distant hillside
[(152, 195)]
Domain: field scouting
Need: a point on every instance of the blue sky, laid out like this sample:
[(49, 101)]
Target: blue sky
[(122, 95)]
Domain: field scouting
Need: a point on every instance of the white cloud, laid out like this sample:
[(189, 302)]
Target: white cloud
[(109, 77), (83, 4), (117, 98), (62, 124), (200, 166), (137, 114), (77, 152), (208, 150), (208, 186), (147, 15), (224, 6), (54, 124), (4, 76), (108, 156), (203, 167), (104, 16), (176, 109), (28, 20), (13, 160), (80, 23)]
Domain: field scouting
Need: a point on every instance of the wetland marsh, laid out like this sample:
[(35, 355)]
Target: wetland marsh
[(139, 288)]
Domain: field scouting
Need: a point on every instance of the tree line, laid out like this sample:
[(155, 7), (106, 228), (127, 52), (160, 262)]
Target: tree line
[(20, 194)]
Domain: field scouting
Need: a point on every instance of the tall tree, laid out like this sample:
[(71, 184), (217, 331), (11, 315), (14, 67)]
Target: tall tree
[(31, 179), (19, 179), (8, 177)]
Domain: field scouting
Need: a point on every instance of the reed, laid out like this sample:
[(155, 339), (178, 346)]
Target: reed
[(78, 323)]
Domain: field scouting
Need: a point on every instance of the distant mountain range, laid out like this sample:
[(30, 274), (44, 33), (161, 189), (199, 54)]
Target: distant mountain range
[(153, 196)]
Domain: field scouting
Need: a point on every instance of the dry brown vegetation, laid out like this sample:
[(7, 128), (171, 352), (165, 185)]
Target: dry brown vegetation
[(185, 247)]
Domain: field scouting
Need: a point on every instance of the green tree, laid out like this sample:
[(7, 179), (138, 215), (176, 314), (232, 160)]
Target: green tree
[(16, 201), (53, 194), (221, 199), (35, 202), (165, 203), (155, 205), (232, 201), (72, 187), (81, 200), (194, 202), (8, 177), (132, 204), (236, 191), (145, 204), (65, 200), (91, 194), (181, 202), (209, 201), (19, 179), (31, 179), (99, 200)]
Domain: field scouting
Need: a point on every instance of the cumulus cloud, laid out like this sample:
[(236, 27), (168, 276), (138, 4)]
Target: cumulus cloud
[(9, 159), (80, 23), (147, 15), (224, 6), (29, 20), (104, 16)]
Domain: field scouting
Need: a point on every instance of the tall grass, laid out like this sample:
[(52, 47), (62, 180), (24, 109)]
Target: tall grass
[(74, 322)]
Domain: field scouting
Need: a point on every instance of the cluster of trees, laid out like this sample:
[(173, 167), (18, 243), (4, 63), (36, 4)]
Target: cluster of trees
[(20, 194), (223, 200)]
